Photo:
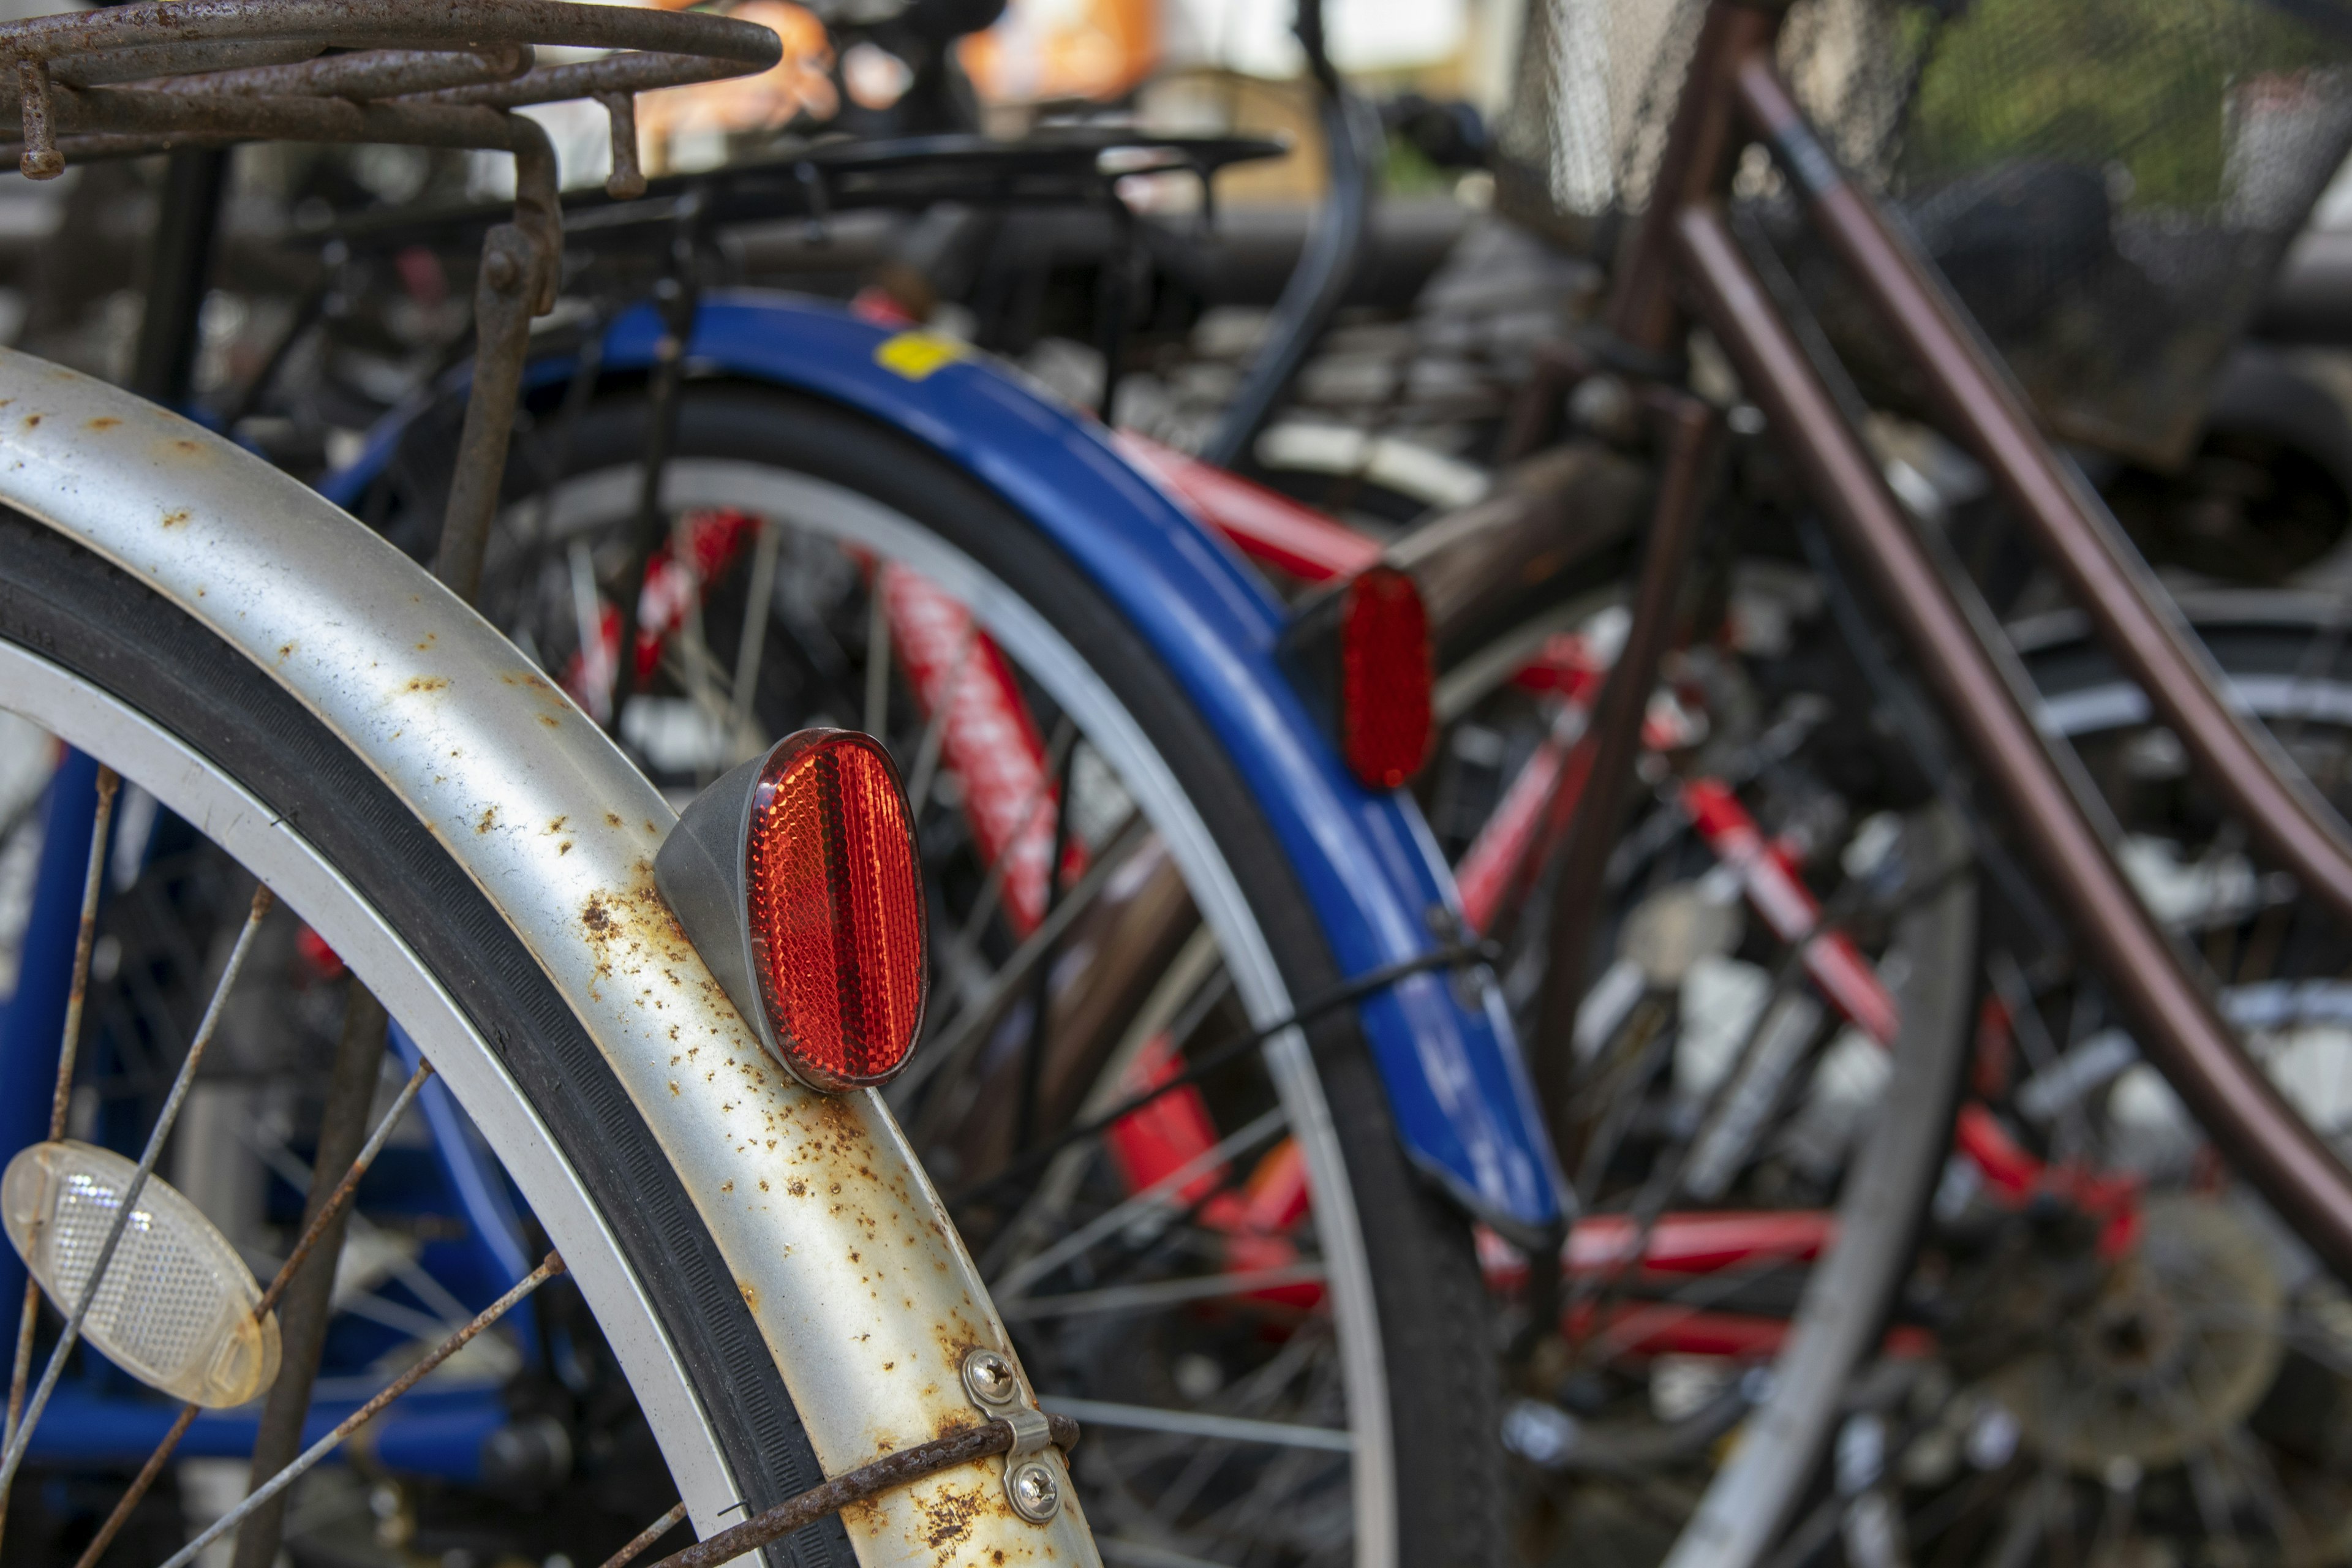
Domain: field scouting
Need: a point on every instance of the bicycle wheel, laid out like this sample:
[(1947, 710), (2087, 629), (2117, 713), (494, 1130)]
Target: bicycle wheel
[(1272, 1331), (263, 788), (1766, 1064), (2164, 1375)]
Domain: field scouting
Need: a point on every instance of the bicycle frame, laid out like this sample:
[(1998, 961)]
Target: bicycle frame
[(1455, 1085), (558, 829), (1682, 253)]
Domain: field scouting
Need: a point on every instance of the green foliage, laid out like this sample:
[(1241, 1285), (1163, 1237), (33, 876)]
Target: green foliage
[(2145, 85)]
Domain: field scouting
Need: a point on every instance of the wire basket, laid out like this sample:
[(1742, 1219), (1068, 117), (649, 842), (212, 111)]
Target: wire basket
[(2109, 186)]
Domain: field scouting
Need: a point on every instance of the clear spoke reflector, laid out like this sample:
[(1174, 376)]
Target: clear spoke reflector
[(176, 1309)]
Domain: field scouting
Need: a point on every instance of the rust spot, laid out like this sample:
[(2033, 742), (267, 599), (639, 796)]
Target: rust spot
[(726, 1187), (551, 721), (948, 1519), (556, 825), (597, 918), (750, 1294), (798, 1189), (673, 1086), (175, 518), (489, 819), (285, 651), (32, 421), (183, 444), (565, 847), (427, 683), (104, 422), (611, 820), (430, 639)]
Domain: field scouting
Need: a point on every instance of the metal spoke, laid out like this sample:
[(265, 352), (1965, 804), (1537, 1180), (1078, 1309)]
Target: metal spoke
[(1040, 985), (975, 924), (93, 882), (1143, 1554), (1008, 1288), (1198, 1424), (745, 688), (129, 1199), (951, 1043), (1164, 1293), (643, 1539), (935, 729), (878, 662), (327, 1445), (588, 617), (335, 1205)]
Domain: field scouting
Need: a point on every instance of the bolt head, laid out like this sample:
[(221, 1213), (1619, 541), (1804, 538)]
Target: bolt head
[(1036, 1495), (989, 1378), (499, 270)]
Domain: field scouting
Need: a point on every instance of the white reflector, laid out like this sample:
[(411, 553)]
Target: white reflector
[(175, 1310)]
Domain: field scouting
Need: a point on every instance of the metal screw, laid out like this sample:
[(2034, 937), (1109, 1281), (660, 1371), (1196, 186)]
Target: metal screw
[(988, 1377), (1036, 1495)]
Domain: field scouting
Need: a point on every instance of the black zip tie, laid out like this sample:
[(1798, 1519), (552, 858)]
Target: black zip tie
[(1448, 956)]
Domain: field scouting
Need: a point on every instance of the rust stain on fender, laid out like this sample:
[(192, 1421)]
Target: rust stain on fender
[(948, 1519)]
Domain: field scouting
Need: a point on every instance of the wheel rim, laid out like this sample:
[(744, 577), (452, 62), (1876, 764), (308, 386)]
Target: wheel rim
[(257, 838), (538, 538)]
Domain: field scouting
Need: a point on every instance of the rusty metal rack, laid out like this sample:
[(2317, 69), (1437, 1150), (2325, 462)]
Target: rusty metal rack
[(141, 78), (1072, 166)]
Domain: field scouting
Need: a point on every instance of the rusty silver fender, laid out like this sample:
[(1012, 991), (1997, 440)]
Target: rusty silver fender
[(839, 1245)]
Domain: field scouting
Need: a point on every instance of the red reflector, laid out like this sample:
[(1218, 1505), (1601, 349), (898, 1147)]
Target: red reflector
[(834, 894), (1385, 677)]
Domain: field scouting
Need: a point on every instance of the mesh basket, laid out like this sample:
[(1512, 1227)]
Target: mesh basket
[(2108, 184)]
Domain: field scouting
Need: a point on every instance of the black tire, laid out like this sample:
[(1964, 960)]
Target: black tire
[(64, 604)]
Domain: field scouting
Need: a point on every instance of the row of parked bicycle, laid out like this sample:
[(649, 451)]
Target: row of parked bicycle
[(1686, 957)]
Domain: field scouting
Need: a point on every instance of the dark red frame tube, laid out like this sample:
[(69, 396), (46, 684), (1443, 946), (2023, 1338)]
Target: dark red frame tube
[(2135, 620), (2176, 1023)]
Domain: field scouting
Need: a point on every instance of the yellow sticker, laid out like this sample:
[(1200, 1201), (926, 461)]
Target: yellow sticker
[(917, 355)]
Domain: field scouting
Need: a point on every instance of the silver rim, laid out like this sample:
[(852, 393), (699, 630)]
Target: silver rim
[(601, 500), (193, 787)]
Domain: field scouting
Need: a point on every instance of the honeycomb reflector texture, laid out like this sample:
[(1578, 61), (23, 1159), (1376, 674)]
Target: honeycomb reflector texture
[(835, 905), (175, 1309)]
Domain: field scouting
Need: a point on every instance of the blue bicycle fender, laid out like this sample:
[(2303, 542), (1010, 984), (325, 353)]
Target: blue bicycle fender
[(1456, 1085), (1457, 1088)]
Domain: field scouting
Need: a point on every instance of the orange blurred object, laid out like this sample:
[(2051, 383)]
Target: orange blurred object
[(1040, 51), (800, 83)]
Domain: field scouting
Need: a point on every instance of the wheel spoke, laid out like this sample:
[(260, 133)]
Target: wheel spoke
[(1198, 1424), (128, 1202), (358, 1418), (1162, 1293), (336, 1204), (1155, 1198), (641, 1541), (68, 1048), (744, 689)]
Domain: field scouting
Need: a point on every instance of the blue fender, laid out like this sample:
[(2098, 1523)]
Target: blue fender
[(1457, 1088)]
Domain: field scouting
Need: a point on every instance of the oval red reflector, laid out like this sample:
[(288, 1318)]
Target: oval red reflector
[(834, 896), (1385, 677)]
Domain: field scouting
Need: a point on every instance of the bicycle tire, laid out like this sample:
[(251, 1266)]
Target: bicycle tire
[(1424, 1289), (84, 617)]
